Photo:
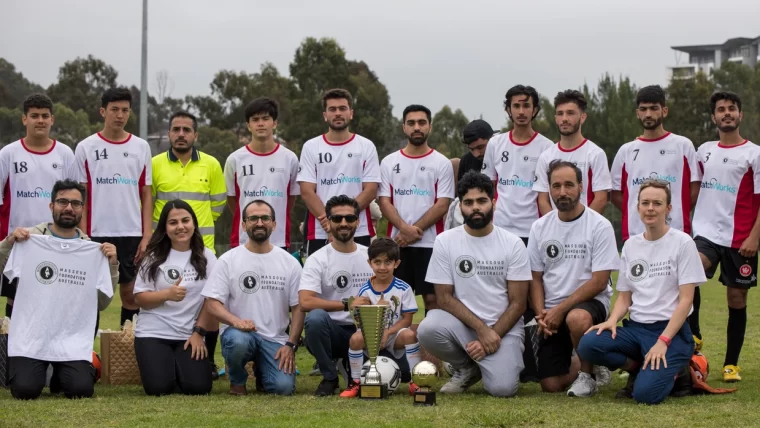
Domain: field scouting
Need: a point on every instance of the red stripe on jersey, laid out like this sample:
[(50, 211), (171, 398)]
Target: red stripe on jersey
[(415, 157), (114, 142), (512, 140), (624, 205), (731, 147), (686, 196), (559, 146), (589, 192), (37, 153), (236, 220), (439, 223), (389, 230), (310, 225), (495, 188), (289, 208), (370, 227), (652, 140), (140, 185), (89, 198), (262, 154), (745, 211), (701, 167), (324, 137), (5, 209)]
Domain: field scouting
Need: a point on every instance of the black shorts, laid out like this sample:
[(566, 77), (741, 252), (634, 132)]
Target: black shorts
[(314, 245), (736, 271), (126, 250), (413, 268), (556, 350), (8, 288)]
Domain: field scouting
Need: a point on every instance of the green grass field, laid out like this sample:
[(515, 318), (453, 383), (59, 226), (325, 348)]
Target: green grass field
[(128, 406)]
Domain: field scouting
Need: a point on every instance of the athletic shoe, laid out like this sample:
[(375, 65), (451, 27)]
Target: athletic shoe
[(351, 391), (697, 344), (326, 387), (214, 372), (682, 385), (584, 386), (238, 390), (602, 375), (627, 391), (413, 388), (731, 373), (315, 370), (462, 379)]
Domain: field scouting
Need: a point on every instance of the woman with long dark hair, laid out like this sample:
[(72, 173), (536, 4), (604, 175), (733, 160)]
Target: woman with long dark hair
[(169, 345)]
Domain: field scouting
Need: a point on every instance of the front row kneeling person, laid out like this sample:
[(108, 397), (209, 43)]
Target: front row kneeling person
[(481, 275), (250, 290), (385, 289), (169, 344), (659, 271), (63, 278)]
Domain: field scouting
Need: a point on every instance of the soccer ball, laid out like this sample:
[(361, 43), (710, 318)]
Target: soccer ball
[(390, 374), (448, 368)]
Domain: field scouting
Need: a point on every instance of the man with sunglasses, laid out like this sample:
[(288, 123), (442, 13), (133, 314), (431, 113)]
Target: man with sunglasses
[(331, 277)]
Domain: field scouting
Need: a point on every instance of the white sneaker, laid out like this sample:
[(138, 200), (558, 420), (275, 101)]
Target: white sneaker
[(603, 375), (462, 379), (584, 386)]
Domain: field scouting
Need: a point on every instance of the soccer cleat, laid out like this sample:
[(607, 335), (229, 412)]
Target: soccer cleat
[(462, 379), (583, 386), (326, 387), (731, 373), (602, 375), (627, 391), (351, 391), (412, 389), (697, 344)]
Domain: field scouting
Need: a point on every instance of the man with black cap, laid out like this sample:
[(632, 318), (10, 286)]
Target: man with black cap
[(475, 135)]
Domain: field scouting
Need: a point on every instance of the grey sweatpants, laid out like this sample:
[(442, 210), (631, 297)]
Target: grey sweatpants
[(444, 336)]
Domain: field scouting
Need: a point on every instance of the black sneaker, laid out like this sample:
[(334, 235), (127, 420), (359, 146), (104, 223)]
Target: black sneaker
[(627, 391), (326, 387), (682, 385), (214, 372)]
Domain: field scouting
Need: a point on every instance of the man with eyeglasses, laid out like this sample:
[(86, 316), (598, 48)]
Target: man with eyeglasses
[(331, 277)]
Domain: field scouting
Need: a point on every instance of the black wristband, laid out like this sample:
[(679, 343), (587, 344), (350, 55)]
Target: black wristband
[(200, 330), (292, 345)]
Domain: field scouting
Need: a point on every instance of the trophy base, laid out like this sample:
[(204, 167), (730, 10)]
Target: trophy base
[(424, 398), (373, 392)]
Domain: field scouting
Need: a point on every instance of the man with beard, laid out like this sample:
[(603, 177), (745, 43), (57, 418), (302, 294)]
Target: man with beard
[(186, 173), (40, 343), (337, 163), (416, 189), (726, 221), (569, 114), (475, 136), (481, 275), (331, 277), (250, 290), (572, 253)]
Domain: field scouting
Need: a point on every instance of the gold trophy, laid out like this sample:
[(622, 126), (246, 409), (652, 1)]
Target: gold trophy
[(423, 375), (373, 321)]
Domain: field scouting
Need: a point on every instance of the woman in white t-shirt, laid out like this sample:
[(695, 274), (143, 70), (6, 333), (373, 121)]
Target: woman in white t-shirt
[(169, 345), (659, 272)]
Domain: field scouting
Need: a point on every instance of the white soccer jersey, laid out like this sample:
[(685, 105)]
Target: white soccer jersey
[(513, 166), (588, 157), (270, 177), (115, 173), (27, 180), (336, 276), (257, 287), (172, 320), (671, 158), (479, 268), (730, 192), (339, 169), (414, 184), (654, 270), (569, 252), (399, 295), (56, 304)]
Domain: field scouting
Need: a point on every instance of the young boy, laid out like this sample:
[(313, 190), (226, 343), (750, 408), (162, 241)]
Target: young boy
[(385, 289)]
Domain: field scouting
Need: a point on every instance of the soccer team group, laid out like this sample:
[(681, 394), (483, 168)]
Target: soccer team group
[(508, 239)]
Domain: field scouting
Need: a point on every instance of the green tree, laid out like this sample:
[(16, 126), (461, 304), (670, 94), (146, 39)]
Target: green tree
[(11, 128), (744, 81), (81, 83), (14, 87), (689, 108), (612, 119), (446, 136), (70, 127)]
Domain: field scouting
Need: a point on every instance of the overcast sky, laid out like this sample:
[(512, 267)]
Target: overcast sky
[(462, 53)]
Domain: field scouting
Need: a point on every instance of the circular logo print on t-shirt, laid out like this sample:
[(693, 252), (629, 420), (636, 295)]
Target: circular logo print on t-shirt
[(46, 272), (249, 282), (465, 266), (554, 251), (638, 270), (340, 281), (172, 274), (745, 270)]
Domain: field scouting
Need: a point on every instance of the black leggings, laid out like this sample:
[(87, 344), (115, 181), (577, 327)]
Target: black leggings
[(27, 377), (165, 367)]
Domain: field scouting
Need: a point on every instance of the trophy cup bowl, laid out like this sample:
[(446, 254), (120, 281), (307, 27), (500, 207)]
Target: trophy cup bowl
[(423, 375), (373, 321)]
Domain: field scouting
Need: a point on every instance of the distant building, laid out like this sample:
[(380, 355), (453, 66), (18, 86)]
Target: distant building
[(706, 58)]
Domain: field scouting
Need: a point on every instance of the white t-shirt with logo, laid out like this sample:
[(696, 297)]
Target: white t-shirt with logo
[(399, 295), (270, 177), (588, 157), (513, 166), (479, 268), (730, 192), (671, 158), (339, 169), (27, 180), (414, 184), (654, 270), (173, 320), (336, 276), (56, 304), (569, 252), (115, 173), (257, 287)]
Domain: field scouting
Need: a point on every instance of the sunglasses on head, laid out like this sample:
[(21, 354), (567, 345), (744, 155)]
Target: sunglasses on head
[(351, 218)]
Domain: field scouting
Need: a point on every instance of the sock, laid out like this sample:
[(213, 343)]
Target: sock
[(211, 338), (737, 324), (355, 360), (127, 314), (8, 310), (694, 317), (413, 354)]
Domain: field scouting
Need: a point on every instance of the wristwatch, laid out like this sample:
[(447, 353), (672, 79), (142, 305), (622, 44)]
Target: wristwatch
[(200, 330), (292, 346), (345, 305)]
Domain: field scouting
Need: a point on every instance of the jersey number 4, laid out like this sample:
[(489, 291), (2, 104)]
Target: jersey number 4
[(397, 168), (101, 154)]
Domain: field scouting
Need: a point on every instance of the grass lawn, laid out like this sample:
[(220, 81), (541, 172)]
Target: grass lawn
[(128, 406)]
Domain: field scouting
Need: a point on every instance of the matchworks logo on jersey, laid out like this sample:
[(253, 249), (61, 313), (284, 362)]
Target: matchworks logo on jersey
[(516, 181), (33, 194), (340, 179), (116, 179), (638, 181), (714, 184), (264, 192), (412, 191)]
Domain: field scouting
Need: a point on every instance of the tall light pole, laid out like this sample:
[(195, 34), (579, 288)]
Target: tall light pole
[(144, 74)]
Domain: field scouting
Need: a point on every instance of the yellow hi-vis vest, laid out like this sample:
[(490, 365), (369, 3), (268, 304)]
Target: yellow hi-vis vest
[(200, 183)]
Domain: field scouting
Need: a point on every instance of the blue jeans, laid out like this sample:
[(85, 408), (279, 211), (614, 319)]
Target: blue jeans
[(634, 340), (327, 340), (240, 347)]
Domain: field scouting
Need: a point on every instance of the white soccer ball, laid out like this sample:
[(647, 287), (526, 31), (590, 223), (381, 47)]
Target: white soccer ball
[(448, 368), (390, 374)]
